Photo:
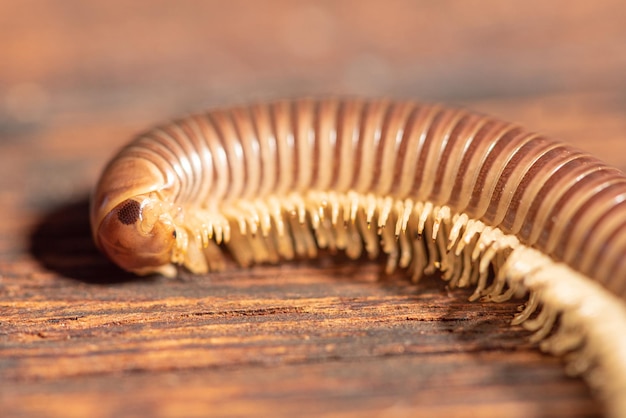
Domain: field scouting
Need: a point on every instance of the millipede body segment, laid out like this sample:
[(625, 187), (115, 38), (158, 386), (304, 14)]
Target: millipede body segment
[(485, 203)]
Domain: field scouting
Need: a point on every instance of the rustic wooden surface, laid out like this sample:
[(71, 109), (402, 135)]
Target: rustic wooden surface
[(324, 338)]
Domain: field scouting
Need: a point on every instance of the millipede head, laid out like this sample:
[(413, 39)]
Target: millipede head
[(138, 235)]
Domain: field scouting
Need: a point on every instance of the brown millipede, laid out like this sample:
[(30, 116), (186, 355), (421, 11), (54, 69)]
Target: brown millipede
[(434, 188)]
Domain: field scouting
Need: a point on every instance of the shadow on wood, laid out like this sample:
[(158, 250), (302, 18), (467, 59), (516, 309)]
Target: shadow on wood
[(62, 243)]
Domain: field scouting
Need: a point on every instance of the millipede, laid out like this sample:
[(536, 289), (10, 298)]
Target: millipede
[(481, 202)]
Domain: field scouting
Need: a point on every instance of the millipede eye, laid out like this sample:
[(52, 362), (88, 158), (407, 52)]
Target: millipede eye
[(128, 214)]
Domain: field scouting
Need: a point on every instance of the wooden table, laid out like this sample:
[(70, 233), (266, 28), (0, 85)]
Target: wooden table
[(327, 337)]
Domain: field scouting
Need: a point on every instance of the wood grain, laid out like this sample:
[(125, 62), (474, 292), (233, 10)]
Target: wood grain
[(328, 337)]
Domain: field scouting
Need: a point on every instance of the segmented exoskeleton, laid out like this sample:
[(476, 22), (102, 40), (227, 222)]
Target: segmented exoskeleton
[(435, 188)]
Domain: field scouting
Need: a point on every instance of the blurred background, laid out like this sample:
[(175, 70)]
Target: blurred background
[(174, 57)]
